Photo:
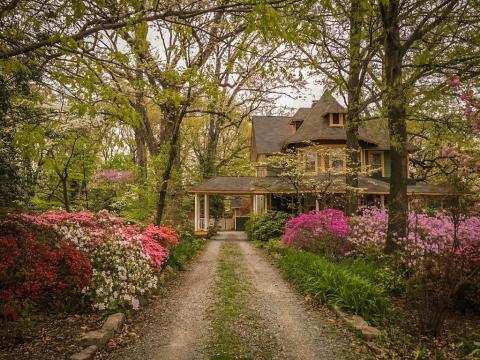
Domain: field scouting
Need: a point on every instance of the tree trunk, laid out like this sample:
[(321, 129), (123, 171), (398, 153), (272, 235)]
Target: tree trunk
[(66, 202), (208, 168), (173, 117), (141, 155), (395, 104), (353, 114)]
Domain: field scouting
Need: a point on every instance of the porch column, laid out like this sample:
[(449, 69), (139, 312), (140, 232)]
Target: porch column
[(197, 212), (317, 205), (265, 203), (382, 201), (255, 207), (205, 211)]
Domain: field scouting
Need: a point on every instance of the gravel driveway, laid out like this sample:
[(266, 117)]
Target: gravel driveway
[(180, 329)]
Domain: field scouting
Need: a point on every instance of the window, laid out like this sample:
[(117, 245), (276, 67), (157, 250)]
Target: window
[(336, 120), (332, 159), (375, 160), (310, 162), (337, 160), (298, 124)]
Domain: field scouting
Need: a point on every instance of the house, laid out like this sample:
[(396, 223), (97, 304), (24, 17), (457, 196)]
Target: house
[(317, 138)]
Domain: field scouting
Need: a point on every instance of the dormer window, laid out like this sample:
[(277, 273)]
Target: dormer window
[(295, 125), (335, 120)]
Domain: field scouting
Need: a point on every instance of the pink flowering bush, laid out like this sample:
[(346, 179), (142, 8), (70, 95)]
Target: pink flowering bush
[(442, 253), (427, 234), (323, 231), (124, 257)]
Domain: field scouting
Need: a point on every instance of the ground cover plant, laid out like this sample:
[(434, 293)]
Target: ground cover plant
[(338, 283), (78, 259)]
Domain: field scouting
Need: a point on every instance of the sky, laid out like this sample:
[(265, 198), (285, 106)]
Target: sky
[(305, 96)]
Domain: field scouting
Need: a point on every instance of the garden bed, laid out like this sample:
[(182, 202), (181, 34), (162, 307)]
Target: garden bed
[(62, 273)]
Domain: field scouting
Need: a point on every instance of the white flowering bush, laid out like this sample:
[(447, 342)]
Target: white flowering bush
[(122, 273)]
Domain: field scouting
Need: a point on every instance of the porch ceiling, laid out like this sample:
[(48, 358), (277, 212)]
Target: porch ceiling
[(225, 185)]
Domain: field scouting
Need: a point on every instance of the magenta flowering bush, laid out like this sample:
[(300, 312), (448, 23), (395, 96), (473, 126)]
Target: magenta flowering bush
[(320, 231)]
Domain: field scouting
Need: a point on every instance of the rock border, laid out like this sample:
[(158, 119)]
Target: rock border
[(358, 323), (96, 339)]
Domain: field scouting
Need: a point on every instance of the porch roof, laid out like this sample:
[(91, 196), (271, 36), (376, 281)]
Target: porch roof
[(274, 184)]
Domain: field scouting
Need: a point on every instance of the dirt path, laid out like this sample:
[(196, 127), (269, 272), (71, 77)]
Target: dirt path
[(185, 324)]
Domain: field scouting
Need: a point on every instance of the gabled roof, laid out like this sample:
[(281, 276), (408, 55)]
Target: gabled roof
[(269, 134), (272, 134), (315, 127)]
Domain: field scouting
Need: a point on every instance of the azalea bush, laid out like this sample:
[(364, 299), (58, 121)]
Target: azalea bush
[(428, 235), (35, 274), (441, 251), (323, 232), (263, 227), (122, 274), (54, 257)]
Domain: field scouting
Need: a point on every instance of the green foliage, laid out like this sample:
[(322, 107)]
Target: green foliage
[(351, 286), (263, 227), (181, 254), (471, 347)]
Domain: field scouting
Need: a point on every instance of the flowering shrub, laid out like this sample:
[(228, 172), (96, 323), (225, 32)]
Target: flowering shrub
[(32, 272), (427, 234), (121, 274), (50, 257), (319, 231), (441, 251)]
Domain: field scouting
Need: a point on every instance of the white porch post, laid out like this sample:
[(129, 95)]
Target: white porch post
[(255, 208), (382, 201), (197, 212), (265, 203), (205, 211), (317, 205)]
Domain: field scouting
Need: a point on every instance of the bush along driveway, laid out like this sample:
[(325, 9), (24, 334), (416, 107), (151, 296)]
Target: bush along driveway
[(232, 303)]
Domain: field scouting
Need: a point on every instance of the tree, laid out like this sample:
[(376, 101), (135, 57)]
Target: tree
[(341, 46), (431, 21)]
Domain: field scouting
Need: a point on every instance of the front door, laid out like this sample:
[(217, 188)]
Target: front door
[(240, 222)]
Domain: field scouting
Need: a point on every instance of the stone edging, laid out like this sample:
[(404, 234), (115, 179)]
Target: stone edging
[(358, 323), (96, 339)]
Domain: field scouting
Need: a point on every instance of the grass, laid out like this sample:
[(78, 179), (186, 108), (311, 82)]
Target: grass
[(353, 286), (237, 331)]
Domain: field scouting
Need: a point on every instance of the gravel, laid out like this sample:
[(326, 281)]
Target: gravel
[(180, 326), (179, 329)]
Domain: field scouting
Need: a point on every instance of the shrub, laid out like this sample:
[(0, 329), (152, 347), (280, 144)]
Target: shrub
[(34, 273), (122, 273), (263, 227), (337, 283), (442, 252), (186, 248), (65, 245), (324, 232)]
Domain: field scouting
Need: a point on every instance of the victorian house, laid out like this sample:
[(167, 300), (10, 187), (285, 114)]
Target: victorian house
[(317, 136)]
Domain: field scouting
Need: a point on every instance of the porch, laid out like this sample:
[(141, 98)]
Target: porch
[(242, 205), (272, 193)]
